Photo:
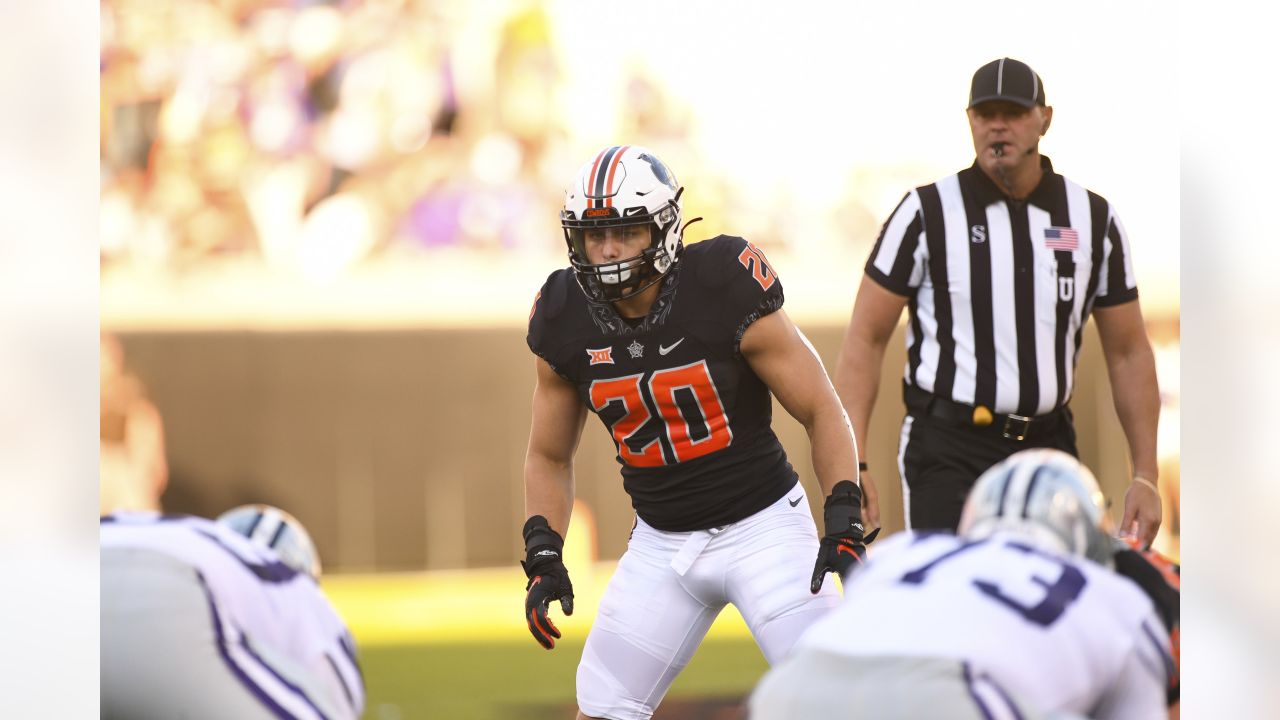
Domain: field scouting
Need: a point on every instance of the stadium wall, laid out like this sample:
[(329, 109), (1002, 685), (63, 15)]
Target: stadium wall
[(402, 450)]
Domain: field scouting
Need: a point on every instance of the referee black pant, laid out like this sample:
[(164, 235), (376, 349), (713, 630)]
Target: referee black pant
[(940, 460)]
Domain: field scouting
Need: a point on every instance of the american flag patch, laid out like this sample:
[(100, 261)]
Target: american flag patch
[(1061, 238)]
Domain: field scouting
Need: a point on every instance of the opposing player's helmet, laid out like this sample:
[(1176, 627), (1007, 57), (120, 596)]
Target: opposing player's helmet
[(621, 186), (1044, 494), (278, 530)]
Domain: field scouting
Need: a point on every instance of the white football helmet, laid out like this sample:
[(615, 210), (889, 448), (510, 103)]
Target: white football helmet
[(1043, 494), (274, 528), (620, 186)]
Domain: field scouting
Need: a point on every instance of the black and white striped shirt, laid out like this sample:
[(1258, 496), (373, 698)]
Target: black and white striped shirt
[(1021, 278)]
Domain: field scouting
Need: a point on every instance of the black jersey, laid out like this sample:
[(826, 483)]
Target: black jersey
[(690, 419)]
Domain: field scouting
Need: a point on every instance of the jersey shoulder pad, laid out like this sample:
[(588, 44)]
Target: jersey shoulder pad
[(558, 320), (725, 260), (739, 274), (548, 305)]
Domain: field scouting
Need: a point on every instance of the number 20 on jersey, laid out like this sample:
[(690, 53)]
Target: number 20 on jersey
[(639, 443)]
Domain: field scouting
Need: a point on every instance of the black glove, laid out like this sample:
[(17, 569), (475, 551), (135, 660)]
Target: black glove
[(548, 579), (842, 547)]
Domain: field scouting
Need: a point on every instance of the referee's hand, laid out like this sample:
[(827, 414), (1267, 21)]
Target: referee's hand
[(1141, 512), (870, 505)]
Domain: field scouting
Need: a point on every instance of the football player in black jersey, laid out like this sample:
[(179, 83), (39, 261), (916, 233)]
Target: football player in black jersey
[(678, 351)]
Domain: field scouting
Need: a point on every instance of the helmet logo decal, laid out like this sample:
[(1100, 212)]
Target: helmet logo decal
[(603, 356), (660, 171)]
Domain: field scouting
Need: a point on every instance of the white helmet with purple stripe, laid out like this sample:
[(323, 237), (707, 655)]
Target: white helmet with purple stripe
[(1045, 495), (276, 529)]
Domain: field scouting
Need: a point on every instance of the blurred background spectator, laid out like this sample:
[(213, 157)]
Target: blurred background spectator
[(132, 470), (307, 137)]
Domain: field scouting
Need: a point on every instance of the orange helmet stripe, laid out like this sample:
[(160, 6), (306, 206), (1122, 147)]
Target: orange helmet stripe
[(591, 177)]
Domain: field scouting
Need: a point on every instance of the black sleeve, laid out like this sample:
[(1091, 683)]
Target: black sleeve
[(895, 263), (543, 338), (1117, 285), (741, 281)]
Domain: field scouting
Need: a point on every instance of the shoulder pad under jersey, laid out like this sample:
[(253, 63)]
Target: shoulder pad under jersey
[(548, 305), (727, 260), (738, 271)]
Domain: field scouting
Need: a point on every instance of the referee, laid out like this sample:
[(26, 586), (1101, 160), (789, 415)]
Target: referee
[(1001, 264)]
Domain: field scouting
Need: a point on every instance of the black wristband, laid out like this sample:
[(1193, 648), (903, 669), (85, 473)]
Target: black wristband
[(842, 511), (862, 467), (537, 533)]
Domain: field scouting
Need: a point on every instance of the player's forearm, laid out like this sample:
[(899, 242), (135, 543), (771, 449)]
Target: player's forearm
[(834, 449), (548, 491), (1136, 395)]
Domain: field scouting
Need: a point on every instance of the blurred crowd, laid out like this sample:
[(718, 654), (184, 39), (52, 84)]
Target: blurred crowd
[(300, 133), (309, 135)]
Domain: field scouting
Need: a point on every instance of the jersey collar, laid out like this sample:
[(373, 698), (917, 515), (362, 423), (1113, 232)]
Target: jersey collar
[(988, 192), (609, 323)]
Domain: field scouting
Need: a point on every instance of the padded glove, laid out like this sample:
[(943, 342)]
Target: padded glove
[(842, 547), (548, 579)]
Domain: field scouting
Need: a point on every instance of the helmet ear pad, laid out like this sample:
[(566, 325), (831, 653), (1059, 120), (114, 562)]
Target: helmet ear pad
[(667, 237)]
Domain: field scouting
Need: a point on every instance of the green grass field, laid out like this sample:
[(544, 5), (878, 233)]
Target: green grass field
[(454, 645), (492, 681)]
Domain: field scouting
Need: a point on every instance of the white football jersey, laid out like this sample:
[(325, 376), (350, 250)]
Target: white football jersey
[(272, 622), (1061, 632)]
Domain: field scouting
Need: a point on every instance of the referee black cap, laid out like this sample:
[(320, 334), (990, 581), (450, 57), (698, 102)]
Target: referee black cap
[(1007, 79)]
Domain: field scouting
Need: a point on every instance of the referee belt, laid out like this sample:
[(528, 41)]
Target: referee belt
[(1011, 426)]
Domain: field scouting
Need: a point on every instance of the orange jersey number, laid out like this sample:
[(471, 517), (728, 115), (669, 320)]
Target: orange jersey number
[(662, 389), (752, 258)]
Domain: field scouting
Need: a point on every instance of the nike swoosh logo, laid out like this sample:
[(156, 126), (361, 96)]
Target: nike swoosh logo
[(664, 350), (796, 501)]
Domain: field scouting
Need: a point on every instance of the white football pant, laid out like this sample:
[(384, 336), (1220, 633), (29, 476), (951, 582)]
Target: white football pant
[(670, 586)]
